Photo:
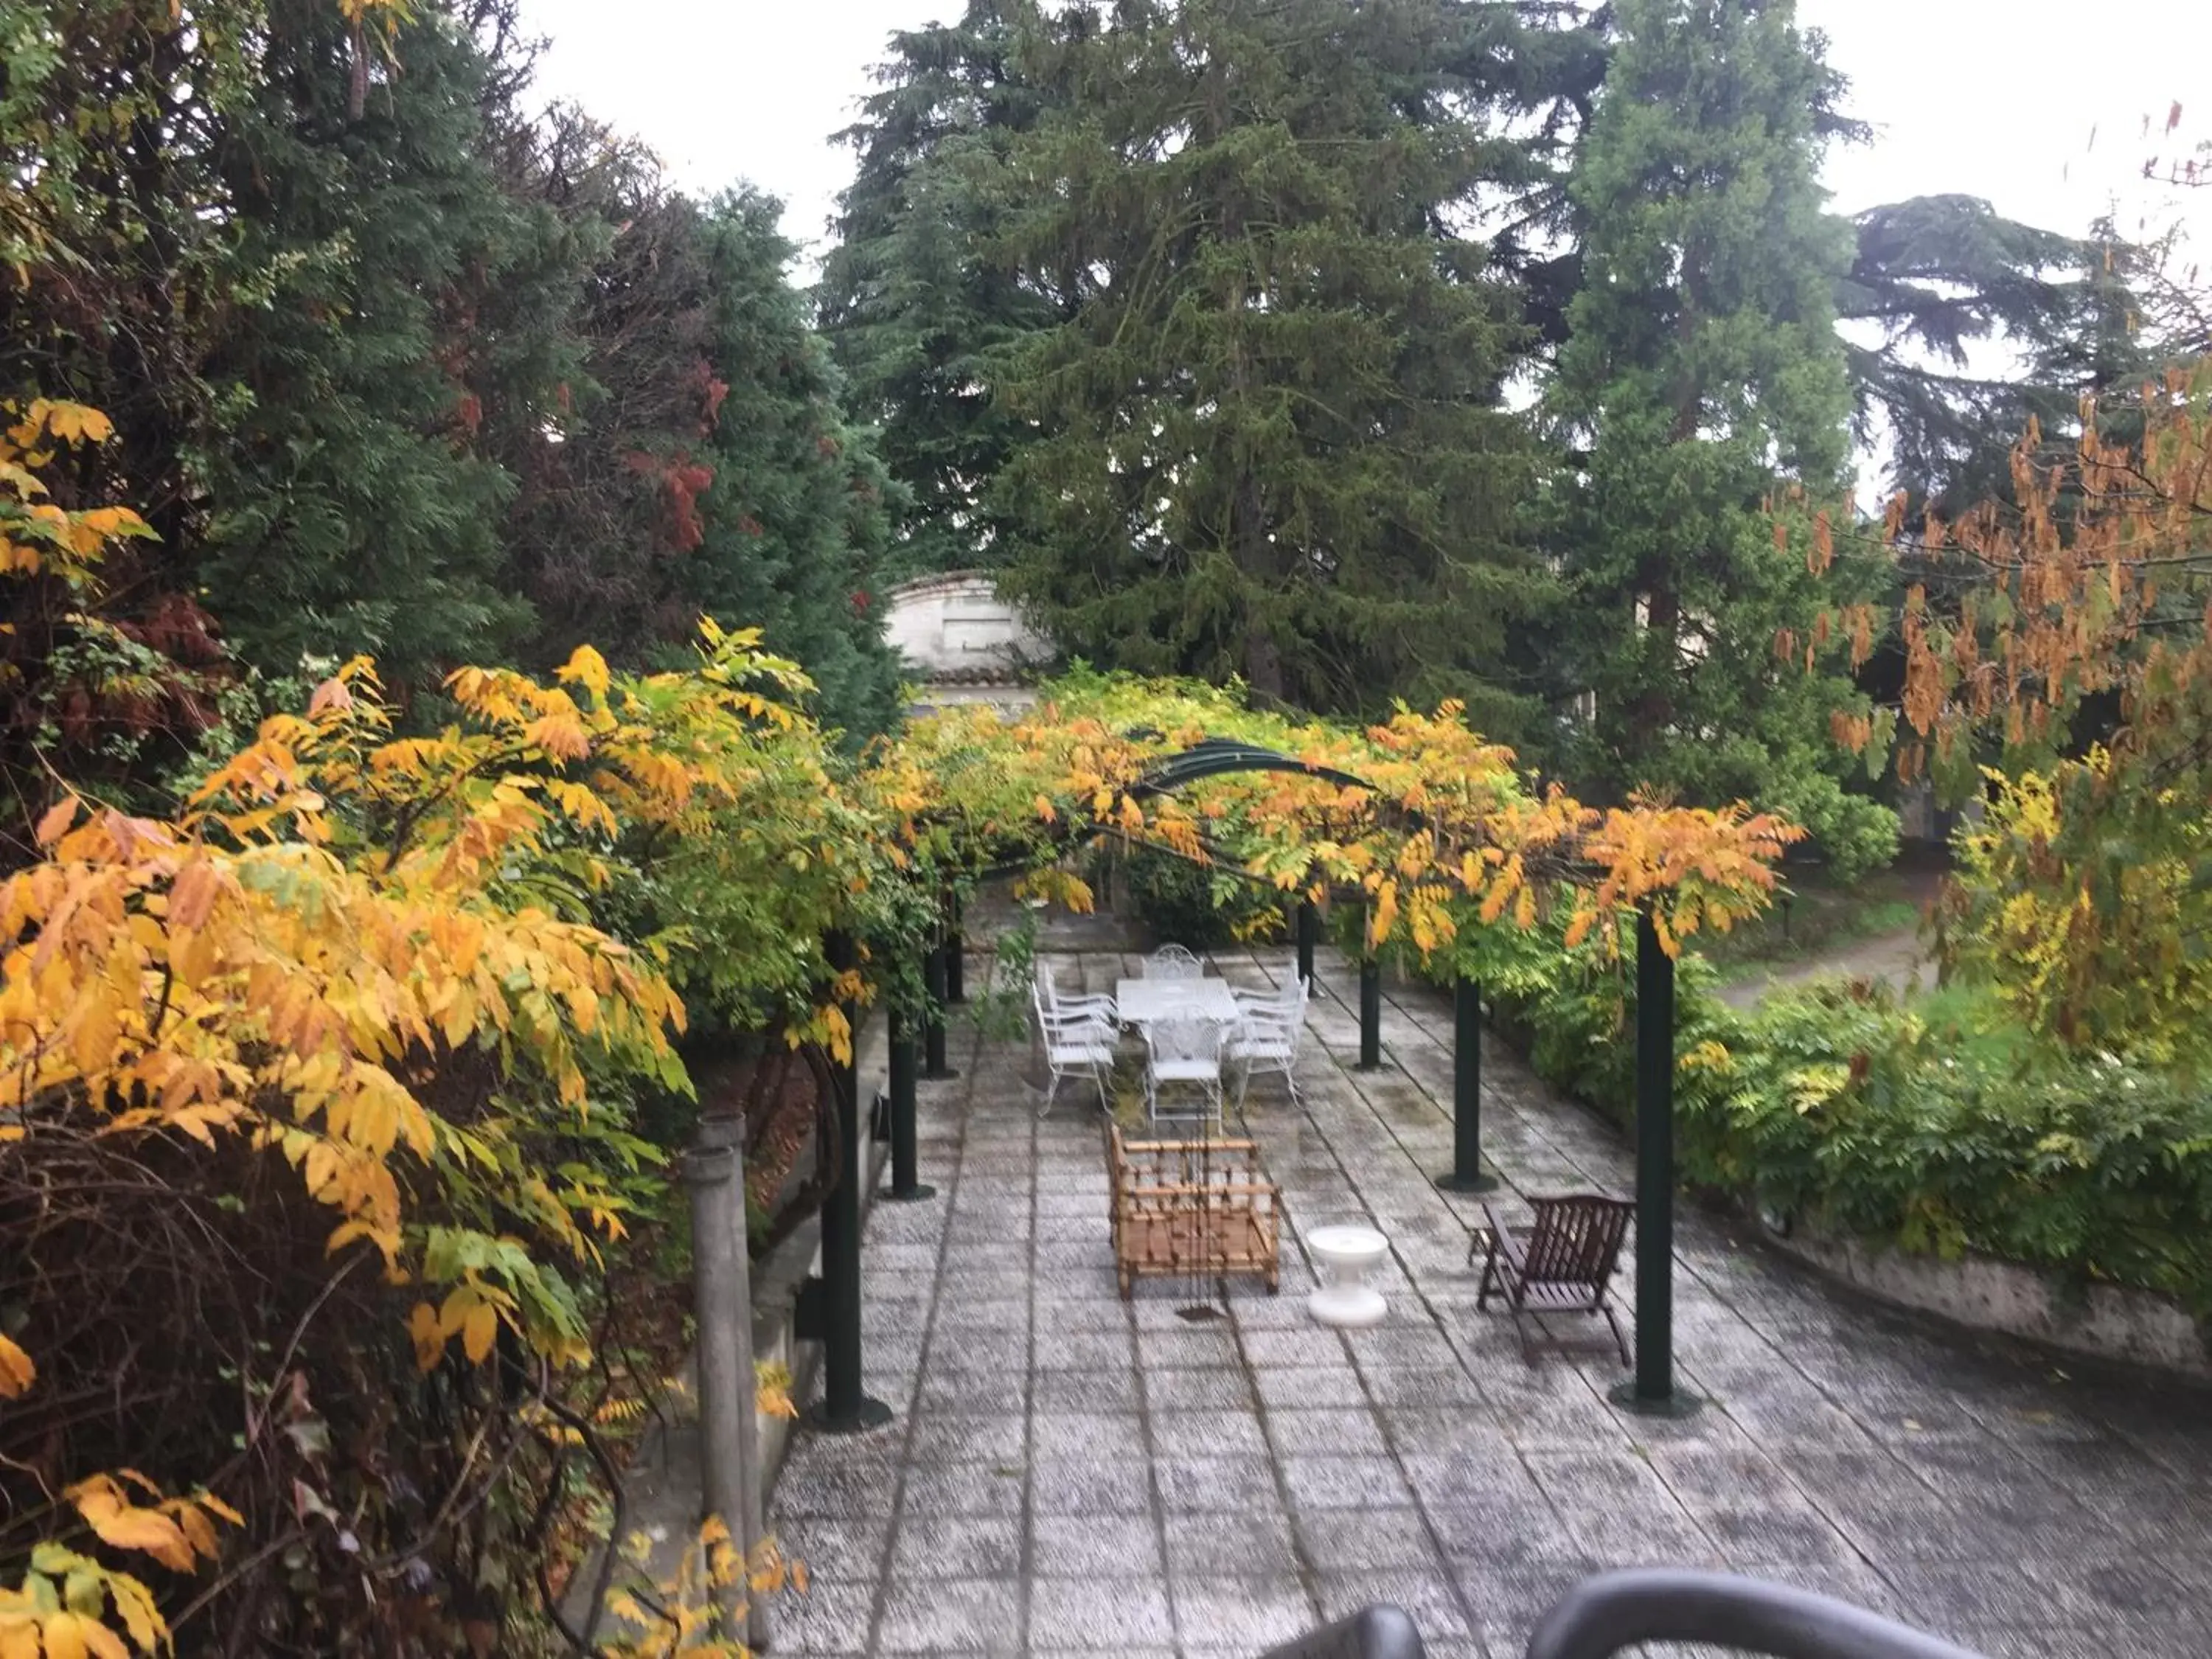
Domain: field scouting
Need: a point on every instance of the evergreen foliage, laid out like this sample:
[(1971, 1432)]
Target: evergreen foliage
[(912, 307), (397, 368), (1268, 440), (795, 521), (597, 537), (1702, 374), (1937, 280), (351, 509)]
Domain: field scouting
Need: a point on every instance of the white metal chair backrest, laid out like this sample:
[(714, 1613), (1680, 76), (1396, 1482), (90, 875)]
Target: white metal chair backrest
[(1186, 1038), (1047, 987), (1284, 1005), (1173, 962)]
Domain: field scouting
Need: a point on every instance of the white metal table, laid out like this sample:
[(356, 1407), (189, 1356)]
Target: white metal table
[(1142, 1001)]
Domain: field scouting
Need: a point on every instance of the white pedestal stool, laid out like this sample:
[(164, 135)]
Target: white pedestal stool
[(1343, 1257)]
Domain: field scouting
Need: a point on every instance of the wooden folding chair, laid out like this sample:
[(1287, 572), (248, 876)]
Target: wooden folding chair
[(1562, 1263)]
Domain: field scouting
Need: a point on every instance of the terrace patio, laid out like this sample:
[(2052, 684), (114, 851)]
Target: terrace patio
[(1067, 1472)]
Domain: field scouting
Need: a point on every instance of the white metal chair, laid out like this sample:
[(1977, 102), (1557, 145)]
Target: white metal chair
[(1184, 1050), (1093, 1002), (1267, 1038), (1075, 1043), (1174, 962), (1288, 997)]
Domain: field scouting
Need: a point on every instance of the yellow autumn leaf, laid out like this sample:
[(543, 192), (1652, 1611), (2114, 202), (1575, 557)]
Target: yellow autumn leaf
[(128, 1527), (17, 1373), (57, 819), (587, 668), (198, 1530), (140, 1616), (477, 1331), (63, 1634), (99, 1640), (115, 521), (74, 422), (429, 1338)]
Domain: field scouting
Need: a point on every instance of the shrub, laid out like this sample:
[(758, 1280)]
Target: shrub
[(320, 1159), (1875, 1119), (1192, 904), (1937, 1125)]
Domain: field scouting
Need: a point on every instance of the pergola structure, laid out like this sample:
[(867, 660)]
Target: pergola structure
[(1652, 1388)]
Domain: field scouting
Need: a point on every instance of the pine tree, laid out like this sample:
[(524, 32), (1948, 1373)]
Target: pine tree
[(793, 508), (605, 521), (1267, 441), (911, 307), (1703, 373), (353, 508), (1984, 324)]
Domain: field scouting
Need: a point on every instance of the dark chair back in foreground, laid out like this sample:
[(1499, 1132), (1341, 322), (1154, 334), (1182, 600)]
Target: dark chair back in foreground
[(1601, 1616), (1380, 1631)]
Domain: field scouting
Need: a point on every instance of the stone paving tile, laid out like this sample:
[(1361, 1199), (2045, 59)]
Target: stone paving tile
[(1080, 1488), (1258, 1541), (959, 1545), (836, 1547), (1345, 1483), (1072, 1473), (1087, 1437), (1352, 1541), (1084, 1350), (1212, 1486), (831, 1618), (1239, 1615), (1304, 1388), (1179, 1434), (1431, 1597), (1196, 1390), (1095, 1546), (935, 1615), (1090, 1392), (968, 1438), (960, 1489), (1345, 1430), (1074, 1613)]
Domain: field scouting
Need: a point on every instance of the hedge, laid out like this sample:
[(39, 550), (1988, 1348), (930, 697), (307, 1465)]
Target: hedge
[(1926, 1124)]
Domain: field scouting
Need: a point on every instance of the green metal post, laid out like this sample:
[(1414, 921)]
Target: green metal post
[(1308, 935), (1370, 1014), (846, 1407), (933, 1032), (956, 951), (1653, 1390), (905, 1188), (1466, 1173)]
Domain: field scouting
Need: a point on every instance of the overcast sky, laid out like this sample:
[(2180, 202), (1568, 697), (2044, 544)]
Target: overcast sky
[(1993, 98)]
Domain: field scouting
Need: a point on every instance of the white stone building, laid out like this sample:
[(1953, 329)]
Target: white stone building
[(963, 643)]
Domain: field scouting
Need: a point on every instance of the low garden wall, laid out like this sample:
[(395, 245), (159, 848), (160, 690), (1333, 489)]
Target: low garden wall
[(2101, 1322)]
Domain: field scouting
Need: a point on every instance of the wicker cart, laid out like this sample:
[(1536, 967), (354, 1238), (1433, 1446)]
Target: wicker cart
[(1185, 1209)]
